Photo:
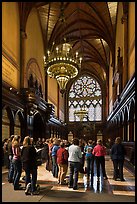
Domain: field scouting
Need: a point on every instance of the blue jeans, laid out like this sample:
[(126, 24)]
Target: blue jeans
[(31, 177), (17, 172), (90, 169), (89, 162), (74, 170), (55, 168), (11, 170)]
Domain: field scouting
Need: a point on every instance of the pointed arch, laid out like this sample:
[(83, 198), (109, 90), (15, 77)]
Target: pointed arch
[(7, 122), (85, 93)]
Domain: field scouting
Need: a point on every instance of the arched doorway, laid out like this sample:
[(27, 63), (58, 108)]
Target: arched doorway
[(39, 129)]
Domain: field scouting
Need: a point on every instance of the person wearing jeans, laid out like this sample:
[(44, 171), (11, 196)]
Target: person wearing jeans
[(55, 168), (89, 159), (16, 161), (74, 159)]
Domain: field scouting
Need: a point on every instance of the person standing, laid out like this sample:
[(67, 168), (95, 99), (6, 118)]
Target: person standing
[(16, 161), (55, 168), (29, 163), (45, 152), (109, 144), (99, 151), (74, 160), (81, 145), (11, 166), (89, 158), (5, 150), (117, 153), (62, 161), (39, 143)]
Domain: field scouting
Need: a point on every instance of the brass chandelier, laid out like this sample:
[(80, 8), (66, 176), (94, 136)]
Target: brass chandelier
[(82, 113), (61, 64)]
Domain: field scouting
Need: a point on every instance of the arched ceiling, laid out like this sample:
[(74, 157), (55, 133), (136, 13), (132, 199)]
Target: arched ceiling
[(90, 29)]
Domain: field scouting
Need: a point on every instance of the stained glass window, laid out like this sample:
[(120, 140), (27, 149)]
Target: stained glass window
[(85, 93)]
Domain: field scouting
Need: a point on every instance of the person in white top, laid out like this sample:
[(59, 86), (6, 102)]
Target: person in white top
[(74, 159)]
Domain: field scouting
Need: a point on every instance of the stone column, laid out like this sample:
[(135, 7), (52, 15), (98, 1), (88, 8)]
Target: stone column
[(23, 37), (124, 21)]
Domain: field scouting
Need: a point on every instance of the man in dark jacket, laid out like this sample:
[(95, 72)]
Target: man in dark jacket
[(117, 155)]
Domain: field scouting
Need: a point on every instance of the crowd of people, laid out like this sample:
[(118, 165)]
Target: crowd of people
[(60, 156)]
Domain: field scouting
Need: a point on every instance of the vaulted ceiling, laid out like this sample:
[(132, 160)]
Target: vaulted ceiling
[(90, 29)]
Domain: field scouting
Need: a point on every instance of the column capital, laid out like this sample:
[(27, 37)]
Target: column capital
[(23, 34), (124, 18)]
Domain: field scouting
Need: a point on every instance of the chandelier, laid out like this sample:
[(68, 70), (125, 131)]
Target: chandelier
[(82, 113), (61, 63)]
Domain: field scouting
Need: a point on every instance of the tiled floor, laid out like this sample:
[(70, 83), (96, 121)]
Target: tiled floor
[(111, 186), (118, 187), (50, 191)]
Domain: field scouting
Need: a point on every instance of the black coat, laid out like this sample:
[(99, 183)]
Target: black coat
[(117, 152), (45, 152), (29, 157)]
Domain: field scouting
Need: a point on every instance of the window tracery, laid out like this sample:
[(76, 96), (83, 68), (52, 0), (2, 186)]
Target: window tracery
[(85, 93)]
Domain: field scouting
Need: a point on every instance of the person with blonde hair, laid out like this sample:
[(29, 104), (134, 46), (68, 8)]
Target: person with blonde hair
[(16, 161), (117, 153), (29, 163)]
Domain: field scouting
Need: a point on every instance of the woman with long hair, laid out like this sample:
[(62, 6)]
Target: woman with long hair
[(16, 161), (29, 162)]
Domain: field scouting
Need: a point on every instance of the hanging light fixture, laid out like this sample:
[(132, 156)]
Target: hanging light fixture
[(61, 64)]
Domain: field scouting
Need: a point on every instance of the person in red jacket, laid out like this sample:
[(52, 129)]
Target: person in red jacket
[(62, 161), (99, 151)]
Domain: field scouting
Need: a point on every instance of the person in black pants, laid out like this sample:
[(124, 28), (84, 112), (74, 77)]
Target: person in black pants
[(29, 164), (99, 151), (10, 155), (117, 155)]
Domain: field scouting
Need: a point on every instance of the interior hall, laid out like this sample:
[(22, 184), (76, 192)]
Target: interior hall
[(68, 71)]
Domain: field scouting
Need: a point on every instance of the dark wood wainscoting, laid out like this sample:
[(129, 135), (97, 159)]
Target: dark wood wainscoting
[(130, 156)]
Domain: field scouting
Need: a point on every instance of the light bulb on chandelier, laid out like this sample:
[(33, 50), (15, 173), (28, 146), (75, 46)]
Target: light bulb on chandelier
[(61, 64)]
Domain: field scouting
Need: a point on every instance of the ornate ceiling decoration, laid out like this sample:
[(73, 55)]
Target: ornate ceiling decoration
[(90, 29)]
